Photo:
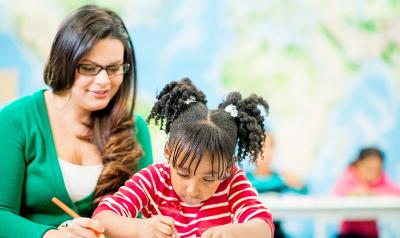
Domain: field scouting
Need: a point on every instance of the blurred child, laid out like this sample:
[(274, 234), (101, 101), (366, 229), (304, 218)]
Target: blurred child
[(198, 190), (265, 179), (364, 177)]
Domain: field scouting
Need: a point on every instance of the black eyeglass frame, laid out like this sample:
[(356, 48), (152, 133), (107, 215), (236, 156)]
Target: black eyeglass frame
[(108, 68)]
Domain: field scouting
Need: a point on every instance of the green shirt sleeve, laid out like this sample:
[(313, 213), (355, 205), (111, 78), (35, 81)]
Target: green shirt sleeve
[(12, 171), (143, 137)]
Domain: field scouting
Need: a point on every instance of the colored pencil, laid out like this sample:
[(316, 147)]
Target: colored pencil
[(151, 200), (70, 212)]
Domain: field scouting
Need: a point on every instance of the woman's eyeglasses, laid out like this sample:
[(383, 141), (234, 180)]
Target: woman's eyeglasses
[(94, 69)]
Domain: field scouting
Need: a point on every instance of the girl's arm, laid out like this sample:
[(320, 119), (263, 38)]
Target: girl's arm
[(255, 228), (251, 217), (118, 226), (117, 212)]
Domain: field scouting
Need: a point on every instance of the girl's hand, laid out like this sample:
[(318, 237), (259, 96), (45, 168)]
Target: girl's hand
[(218, 232), (78, 227), (158, 227)]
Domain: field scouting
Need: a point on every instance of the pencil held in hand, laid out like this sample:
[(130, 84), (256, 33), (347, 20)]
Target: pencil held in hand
[(175, 233), (149, 197), (71, 212), (64, 207)]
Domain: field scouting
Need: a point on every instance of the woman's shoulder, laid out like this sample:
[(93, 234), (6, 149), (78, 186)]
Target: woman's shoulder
[(139, 122), (139, 118), (20, 105)]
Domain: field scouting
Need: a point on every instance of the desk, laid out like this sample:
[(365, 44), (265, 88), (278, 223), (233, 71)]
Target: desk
[(324, 209)]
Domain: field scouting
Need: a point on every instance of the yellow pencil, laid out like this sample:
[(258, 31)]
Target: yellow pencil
[(70, 212)]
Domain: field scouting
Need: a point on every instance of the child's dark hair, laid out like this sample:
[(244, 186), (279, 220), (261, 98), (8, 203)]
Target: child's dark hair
[(369, 151), (194, 130)]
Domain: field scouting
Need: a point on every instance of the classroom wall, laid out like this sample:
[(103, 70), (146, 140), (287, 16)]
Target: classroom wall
[(9, 85)]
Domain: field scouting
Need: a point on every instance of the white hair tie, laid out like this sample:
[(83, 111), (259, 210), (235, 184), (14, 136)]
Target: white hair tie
[(190, 100), (232, 110)]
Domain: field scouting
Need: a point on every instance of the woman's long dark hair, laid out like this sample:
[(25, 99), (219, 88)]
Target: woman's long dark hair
[(110, 129), (194, 130)]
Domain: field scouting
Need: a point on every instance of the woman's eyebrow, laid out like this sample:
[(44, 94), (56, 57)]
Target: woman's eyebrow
[(112, 63)]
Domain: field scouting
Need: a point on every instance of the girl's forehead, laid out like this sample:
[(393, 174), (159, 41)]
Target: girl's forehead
[(202, 170), (202, 166), (199, 158), (202, 162)]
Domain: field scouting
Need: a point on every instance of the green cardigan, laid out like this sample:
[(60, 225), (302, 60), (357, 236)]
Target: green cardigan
[(30, 173)]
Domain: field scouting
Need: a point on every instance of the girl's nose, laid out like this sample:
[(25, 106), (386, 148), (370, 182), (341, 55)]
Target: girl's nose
[(193, 189)]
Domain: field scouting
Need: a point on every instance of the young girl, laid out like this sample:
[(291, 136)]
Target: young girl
[(199, 191), (364, 177)]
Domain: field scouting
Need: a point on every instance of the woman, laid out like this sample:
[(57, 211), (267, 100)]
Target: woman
[(75, 141)]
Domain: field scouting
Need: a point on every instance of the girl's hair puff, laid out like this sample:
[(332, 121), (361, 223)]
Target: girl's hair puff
[(194, 130), (172, 100), (250, 124)]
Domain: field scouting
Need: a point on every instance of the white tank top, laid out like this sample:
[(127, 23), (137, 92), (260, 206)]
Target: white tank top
[(79, 180)]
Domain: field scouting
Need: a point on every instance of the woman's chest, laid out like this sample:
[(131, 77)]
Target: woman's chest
[(76, 151)]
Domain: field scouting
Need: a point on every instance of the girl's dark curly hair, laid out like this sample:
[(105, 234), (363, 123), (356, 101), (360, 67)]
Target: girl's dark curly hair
[(250, 121), (194, 130)]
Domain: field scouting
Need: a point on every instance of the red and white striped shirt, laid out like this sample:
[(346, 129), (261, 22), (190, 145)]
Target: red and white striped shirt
[(235, 201)]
